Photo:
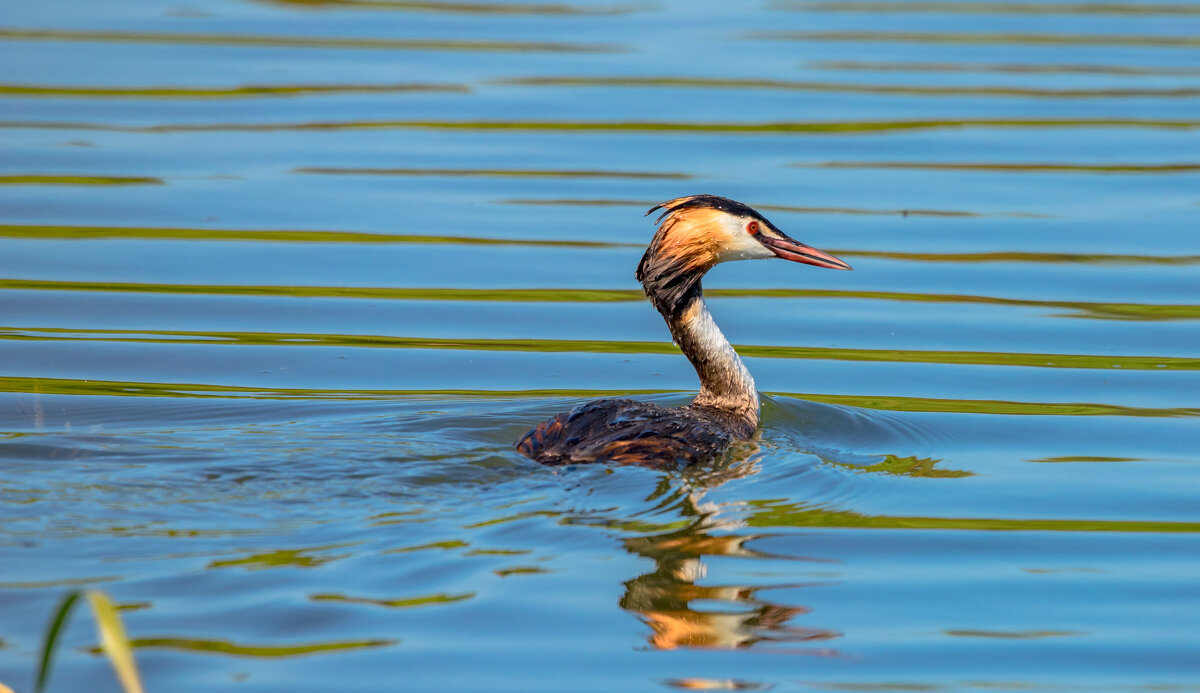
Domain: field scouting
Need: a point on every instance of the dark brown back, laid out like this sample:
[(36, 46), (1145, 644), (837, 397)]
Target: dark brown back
[(623, 431)]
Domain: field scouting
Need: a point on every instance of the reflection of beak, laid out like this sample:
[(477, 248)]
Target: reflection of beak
[(791, 249)]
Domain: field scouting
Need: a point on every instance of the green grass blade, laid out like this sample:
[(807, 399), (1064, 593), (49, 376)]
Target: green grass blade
[(48, 645), (113, 640)]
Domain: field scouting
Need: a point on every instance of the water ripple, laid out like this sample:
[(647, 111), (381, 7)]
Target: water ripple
[(225, 647), (280, 236), (1032, 167), (90, 387), (856, 211), (67, 179), (983, 38), (1079, 309), (401, 603), (992, 7), (274, 41), (787, 514), (1010, 68), (850, 127), (495, 173), (238, 92), (852, 88), (1086, 361), (502, 8)]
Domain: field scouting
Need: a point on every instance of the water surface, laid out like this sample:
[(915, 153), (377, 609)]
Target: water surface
[(282, 281)]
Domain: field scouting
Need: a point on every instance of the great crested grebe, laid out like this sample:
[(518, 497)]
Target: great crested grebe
[(694, 234)]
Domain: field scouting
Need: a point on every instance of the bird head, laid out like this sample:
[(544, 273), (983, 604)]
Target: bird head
[(699, 231)]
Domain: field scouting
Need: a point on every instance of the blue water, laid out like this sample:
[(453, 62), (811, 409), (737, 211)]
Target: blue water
[(281, 282)]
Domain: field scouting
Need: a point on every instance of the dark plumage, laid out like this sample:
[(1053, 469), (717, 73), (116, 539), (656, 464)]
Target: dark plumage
[(723, 204), (694, 234), (625, 431)]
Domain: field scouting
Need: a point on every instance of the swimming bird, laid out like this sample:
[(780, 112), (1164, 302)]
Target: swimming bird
[(694, 234)]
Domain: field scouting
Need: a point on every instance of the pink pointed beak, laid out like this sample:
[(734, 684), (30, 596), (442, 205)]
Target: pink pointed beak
[(791, 249)]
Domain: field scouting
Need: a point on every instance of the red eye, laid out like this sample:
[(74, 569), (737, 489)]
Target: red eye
[(752, 228)]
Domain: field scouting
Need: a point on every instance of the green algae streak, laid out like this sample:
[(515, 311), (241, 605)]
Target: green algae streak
[(291, 339), (404, 603), (858, 127), (1006, 68), (779, 513), (1017, 167), (49, 179), (495, 173), (238, 92), (224, 647), (856, 88), (278, 236), (507, 8), (985, 38), (111, 388), (1081, 309), (1116, 8), (279, 41)]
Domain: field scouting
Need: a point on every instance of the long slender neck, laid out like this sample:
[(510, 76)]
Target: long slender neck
[(725, 383)]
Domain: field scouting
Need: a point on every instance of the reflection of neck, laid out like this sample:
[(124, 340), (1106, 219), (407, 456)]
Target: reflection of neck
[(725, 384), (679, 611)]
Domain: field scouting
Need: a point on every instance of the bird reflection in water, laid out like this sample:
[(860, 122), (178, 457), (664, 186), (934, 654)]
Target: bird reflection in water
[(669, 599)]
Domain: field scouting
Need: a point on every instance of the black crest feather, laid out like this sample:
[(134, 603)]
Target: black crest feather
[(711, 202)]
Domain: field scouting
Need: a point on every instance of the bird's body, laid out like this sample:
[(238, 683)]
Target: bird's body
[(625, 431), (694, 234)]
